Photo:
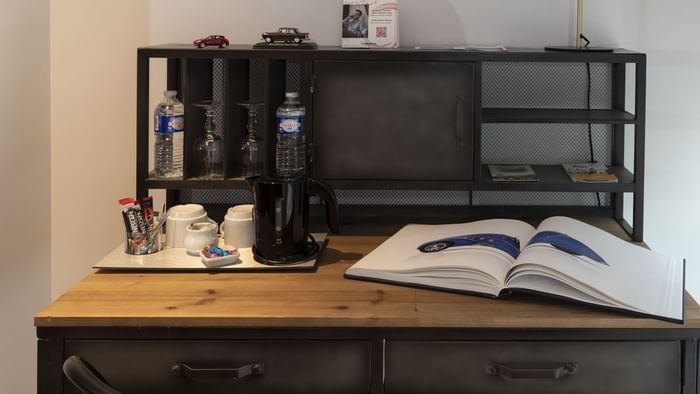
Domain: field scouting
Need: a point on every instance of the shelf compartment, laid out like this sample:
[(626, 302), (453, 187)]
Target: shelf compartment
[(190, 184), (236, 90), (536, 115), (554, 178), (195, 86)]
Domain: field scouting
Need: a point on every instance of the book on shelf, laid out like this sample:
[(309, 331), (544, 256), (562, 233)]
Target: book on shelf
[(593, 172), (512, 173), (562, 258)]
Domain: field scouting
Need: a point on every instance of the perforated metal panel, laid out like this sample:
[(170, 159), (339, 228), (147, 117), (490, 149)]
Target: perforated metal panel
[(231, 197), (540, 198), (508, 85), (543, 143), (402, 197), (257, 81), (218, 93), (545, 85), (293, 81)]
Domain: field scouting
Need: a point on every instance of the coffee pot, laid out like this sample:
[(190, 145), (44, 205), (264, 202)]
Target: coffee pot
[(281, 217)]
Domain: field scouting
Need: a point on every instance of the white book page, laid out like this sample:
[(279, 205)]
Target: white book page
[(459, 266), (629, 276)]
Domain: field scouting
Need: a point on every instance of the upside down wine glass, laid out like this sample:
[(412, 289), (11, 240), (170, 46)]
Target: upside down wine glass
[(209, 148), (251, 159)]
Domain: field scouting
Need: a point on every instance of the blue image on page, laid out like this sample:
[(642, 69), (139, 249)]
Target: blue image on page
[(505, 243)]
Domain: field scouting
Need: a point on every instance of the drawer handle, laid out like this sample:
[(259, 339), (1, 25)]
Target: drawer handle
[(459, 125), (182, 369), (509, 372)]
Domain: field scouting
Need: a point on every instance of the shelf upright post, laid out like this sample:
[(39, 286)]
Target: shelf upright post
[(174, 82), (619, 89), (142, 94), (306, 91), (639, 147)]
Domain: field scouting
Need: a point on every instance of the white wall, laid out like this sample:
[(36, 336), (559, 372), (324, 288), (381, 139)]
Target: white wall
[(666, 31), (532, 23), (93, 119), (25, 178)]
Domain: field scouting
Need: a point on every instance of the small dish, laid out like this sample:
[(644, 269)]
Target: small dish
[(213, 260)]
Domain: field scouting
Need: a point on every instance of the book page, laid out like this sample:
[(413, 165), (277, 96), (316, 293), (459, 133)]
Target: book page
[(603, 266), (468, 256)]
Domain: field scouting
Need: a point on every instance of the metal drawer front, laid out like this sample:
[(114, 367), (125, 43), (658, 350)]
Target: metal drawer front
[(533, 367), (215, 366)]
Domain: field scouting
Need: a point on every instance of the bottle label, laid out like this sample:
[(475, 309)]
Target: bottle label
[(290, 125), (169, 123)]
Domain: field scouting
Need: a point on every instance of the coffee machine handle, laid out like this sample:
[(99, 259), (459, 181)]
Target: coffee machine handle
[(327, 196)]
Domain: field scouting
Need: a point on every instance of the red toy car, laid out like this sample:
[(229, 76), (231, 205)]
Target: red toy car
[(220, 41)]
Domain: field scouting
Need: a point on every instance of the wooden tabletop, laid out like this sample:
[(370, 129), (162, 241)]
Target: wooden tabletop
[(319, 299)]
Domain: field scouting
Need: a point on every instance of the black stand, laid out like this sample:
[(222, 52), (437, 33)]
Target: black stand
[(284, 45), (577, 49), (585, 48)]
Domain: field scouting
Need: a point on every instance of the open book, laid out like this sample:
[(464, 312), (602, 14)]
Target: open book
[(563, 258)]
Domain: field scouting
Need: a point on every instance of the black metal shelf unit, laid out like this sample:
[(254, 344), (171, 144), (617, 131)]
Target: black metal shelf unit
[(450, 162)]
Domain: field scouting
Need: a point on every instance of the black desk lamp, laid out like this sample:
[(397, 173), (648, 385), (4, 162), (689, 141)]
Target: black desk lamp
[(580, 38)]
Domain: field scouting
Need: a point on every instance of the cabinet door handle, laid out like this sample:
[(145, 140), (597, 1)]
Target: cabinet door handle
[(553, 372), (182, 369), (459, 122)]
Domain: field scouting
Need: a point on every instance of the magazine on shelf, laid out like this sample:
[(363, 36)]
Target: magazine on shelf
[(589, 173), (512, 173), (562, 257), (370, 24)]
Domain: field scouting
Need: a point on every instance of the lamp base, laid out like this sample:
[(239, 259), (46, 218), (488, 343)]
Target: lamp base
[(577, 49)]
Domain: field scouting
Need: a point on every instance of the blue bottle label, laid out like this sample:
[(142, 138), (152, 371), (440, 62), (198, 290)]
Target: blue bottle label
[(290, 125), (169, 123)]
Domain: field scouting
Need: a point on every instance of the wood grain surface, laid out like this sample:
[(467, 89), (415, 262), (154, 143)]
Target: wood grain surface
[(319, 299)]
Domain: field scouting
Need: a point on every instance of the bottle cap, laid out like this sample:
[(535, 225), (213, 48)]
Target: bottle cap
[(292, 95), (170, 93)]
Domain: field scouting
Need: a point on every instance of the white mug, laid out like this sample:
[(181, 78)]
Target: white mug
[(200, 235), (179, 218), (237, 228)]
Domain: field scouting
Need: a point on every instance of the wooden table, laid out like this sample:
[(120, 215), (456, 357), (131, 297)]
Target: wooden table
[(318, 332)]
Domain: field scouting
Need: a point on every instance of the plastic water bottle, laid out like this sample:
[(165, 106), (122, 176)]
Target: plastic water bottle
[(169, 127), (291, 144)]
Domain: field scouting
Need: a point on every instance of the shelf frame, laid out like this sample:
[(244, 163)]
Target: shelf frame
[(185, 64), (541, 116)]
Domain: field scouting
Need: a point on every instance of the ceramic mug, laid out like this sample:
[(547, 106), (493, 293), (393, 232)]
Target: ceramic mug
[(179, 218), (237, 228), (200, 235)]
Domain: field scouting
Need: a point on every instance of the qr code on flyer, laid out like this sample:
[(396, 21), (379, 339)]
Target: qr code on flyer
[(381, 32)]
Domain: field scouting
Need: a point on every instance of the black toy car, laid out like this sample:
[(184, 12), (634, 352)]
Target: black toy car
[(285, 34)]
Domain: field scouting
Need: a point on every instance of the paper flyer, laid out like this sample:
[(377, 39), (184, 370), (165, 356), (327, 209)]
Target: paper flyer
[(370, 24)]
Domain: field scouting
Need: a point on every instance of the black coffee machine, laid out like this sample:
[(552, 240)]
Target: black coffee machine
[(281, 217)]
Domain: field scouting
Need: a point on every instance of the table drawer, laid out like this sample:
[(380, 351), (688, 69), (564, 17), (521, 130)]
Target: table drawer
[(285, 366), (533, 367)]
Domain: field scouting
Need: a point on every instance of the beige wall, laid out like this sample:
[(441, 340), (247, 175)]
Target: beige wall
[(25, 266), (93, 118)]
